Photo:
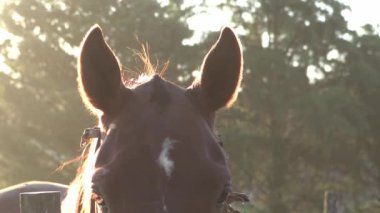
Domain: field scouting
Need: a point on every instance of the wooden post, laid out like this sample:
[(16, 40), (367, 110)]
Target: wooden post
[(332, 202), (40, 202)]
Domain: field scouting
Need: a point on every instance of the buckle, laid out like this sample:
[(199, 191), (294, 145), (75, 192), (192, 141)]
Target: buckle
[(232, 198), (91, 133)]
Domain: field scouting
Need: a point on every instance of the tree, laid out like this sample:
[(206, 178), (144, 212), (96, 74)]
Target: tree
[(301, 127), (362, 78)]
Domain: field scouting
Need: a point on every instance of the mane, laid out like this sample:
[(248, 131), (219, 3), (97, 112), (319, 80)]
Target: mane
[(78, 198), (146, 71)]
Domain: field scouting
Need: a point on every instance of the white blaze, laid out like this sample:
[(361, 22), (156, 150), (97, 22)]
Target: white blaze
[(163, 159)]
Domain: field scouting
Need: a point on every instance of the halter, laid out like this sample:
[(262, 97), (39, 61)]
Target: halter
[(96, 133), (88, 134)]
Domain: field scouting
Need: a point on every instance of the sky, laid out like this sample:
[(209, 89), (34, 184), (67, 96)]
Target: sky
[(362, 12)]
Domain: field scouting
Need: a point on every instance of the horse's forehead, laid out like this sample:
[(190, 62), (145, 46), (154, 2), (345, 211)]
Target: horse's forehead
[(157, 88)]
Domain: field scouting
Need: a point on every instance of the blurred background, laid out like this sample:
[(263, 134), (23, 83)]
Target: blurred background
[(307, 119)]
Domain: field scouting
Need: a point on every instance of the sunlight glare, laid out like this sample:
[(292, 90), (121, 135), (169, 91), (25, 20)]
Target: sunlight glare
[(265, 39), (4, 35), (211, 21), (4, 68), (362, 12), (314, 74)]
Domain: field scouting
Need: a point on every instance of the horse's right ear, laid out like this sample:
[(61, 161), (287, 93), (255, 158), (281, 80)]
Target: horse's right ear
[(221, 75), (99, 74)]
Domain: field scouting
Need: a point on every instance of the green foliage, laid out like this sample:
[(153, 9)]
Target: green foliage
[(289, 138)]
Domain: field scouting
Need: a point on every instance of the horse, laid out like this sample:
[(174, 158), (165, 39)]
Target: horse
[(155, 149)]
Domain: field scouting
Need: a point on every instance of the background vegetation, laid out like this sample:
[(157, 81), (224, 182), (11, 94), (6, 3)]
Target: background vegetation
[(307, 119)]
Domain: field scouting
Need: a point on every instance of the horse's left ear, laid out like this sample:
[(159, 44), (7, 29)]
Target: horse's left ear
[(99, 74), (221, 72)]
